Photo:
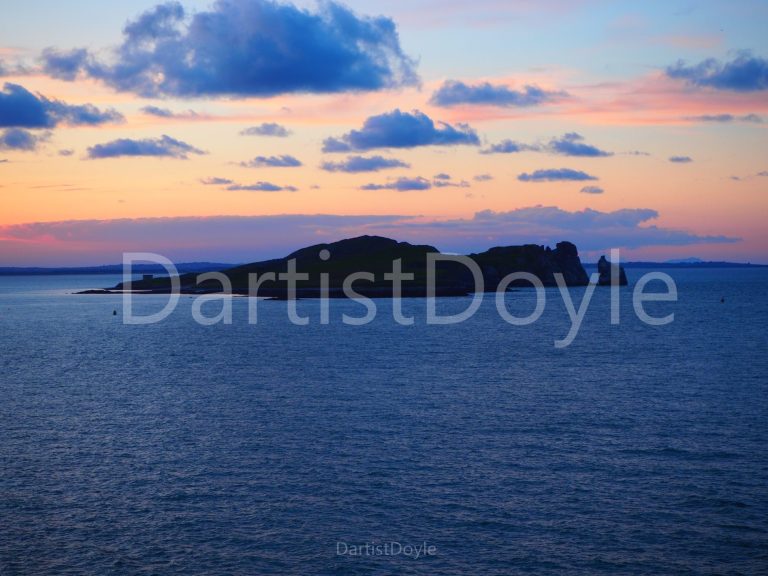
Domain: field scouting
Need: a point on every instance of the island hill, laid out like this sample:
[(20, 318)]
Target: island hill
[(376, 255)]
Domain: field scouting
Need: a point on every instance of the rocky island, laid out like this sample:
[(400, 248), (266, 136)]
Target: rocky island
[(328, 265)]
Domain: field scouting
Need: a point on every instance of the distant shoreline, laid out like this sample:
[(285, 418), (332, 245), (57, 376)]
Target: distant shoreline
[(112, 269), (201, 267)]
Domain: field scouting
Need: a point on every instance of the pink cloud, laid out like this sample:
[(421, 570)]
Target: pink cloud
[(251, 238)]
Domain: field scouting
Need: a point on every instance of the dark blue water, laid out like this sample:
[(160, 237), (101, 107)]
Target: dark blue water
[(257, 449)]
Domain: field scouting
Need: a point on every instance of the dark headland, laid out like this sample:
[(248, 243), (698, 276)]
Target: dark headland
[(375, 255)]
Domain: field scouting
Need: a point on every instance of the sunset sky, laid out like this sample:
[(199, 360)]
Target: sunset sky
[(238, 130)]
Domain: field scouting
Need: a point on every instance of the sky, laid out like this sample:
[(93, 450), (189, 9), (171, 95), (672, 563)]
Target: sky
[(238, 130)]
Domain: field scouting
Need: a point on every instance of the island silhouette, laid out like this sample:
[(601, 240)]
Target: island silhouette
[(328, 265)]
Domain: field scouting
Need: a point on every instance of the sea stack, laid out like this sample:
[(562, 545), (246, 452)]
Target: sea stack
[(606, 271)]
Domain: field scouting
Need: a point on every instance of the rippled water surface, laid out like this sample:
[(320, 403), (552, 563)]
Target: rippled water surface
[(176, 448)]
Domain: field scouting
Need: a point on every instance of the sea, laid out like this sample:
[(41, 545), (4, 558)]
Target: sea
[(477, 447)]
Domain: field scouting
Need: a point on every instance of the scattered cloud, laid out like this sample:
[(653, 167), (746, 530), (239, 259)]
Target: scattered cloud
[(20, 108), (680, 159), (444, 180), (572, 144), (483, 178), (753, 118), (450, 184), (167, 113), (159, 112), (455, 93), (401, 185), (163, 147), (725, 118), (261, 187), (267, 129), (215, 181), (745, 73), (762, 174), (85, 115), (356, 164), (592, 190), (233, 186), (66, 152), (20, 139), (284, 161), (510, 147), (398, 129), (65, 64), (18, 68), (245, 48), (60, 186), (555, 175)]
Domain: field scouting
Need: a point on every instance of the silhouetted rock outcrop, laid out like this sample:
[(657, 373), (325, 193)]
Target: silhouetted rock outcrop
[(540, 261), (604, 268)]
